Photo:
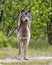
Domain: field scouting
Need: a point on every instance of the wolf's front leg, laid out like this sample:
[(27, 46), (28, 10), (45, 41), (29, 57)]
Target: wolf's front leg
[(19, 50), (26, 50)]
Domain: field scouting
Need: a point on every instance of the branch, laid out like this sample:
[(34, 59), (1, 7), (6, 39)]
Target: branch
[(29, 8), (12, 32)]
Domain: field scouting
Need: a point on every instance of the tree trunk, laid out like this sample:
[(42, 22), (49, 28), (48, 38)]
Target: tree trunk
[(1, 12), (50, 31)]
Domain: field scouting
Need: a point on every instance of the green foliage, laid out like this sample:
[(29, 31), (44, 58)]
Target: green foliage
[(41, 11), (2, 39), (12, 42), (40, 43)]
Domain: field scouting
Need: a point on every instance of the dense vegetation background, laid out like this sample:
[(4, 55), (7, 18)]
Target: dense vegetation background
[(41, 24)]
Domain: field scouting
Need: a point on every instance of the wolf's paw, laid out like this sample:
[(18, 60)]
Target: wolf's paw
[(26, 58), (19, 58)]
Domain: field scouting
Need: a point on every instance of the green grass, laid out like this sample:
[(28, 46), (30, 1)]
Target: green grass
[(36, 48), (8, 52), (13, 52), (39, 47), (34, 62)]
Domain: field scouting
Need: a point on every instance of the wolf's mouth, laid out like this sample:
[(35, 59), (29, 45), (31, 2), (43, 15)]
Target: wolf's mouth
[(24, 21)]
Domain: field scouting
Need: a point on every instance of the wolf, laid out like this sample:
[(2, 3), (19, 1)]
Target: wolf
[(24, 33)]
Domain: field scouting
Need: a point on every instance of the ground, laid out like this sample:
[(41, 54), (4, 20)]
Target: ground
[(11, 53), (34, 62)]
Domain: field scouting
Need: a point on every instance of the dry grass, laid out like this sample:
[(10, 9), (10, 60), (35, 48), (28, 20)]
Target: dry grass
[(34, 62)]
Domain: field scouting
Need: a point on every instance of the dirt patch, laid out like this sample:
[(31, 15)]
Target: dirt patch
[(30, 59)]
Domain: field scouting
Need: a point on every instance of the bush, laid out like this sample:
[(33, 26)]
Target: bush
[(13, 42), (39, 44), (2, 39)]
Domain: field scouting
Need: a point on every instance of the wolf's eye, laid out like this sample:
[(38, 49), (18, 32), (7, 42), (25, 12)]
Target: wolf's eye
[(22, 17)]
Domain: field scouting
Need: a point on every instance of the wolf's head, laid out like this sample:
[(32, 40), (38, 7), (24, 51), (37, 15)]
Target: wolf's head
[(25, 17)]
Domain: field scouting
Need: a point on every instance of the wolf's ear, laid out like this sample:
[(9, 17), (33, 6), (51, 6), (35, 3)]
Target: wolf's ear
[(29, 13), (22, 11)]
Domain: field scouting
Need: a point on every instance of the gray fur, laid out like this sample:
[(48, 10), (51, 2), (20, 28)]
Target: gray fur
[(23, 32)]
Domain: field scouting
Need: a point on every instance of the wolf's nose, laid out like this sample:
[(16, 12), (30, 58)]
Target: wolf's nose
[(26, 20)]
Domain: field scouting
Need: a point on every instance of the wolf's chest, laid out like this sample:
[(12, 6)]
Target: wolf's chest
[(24, 31)]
